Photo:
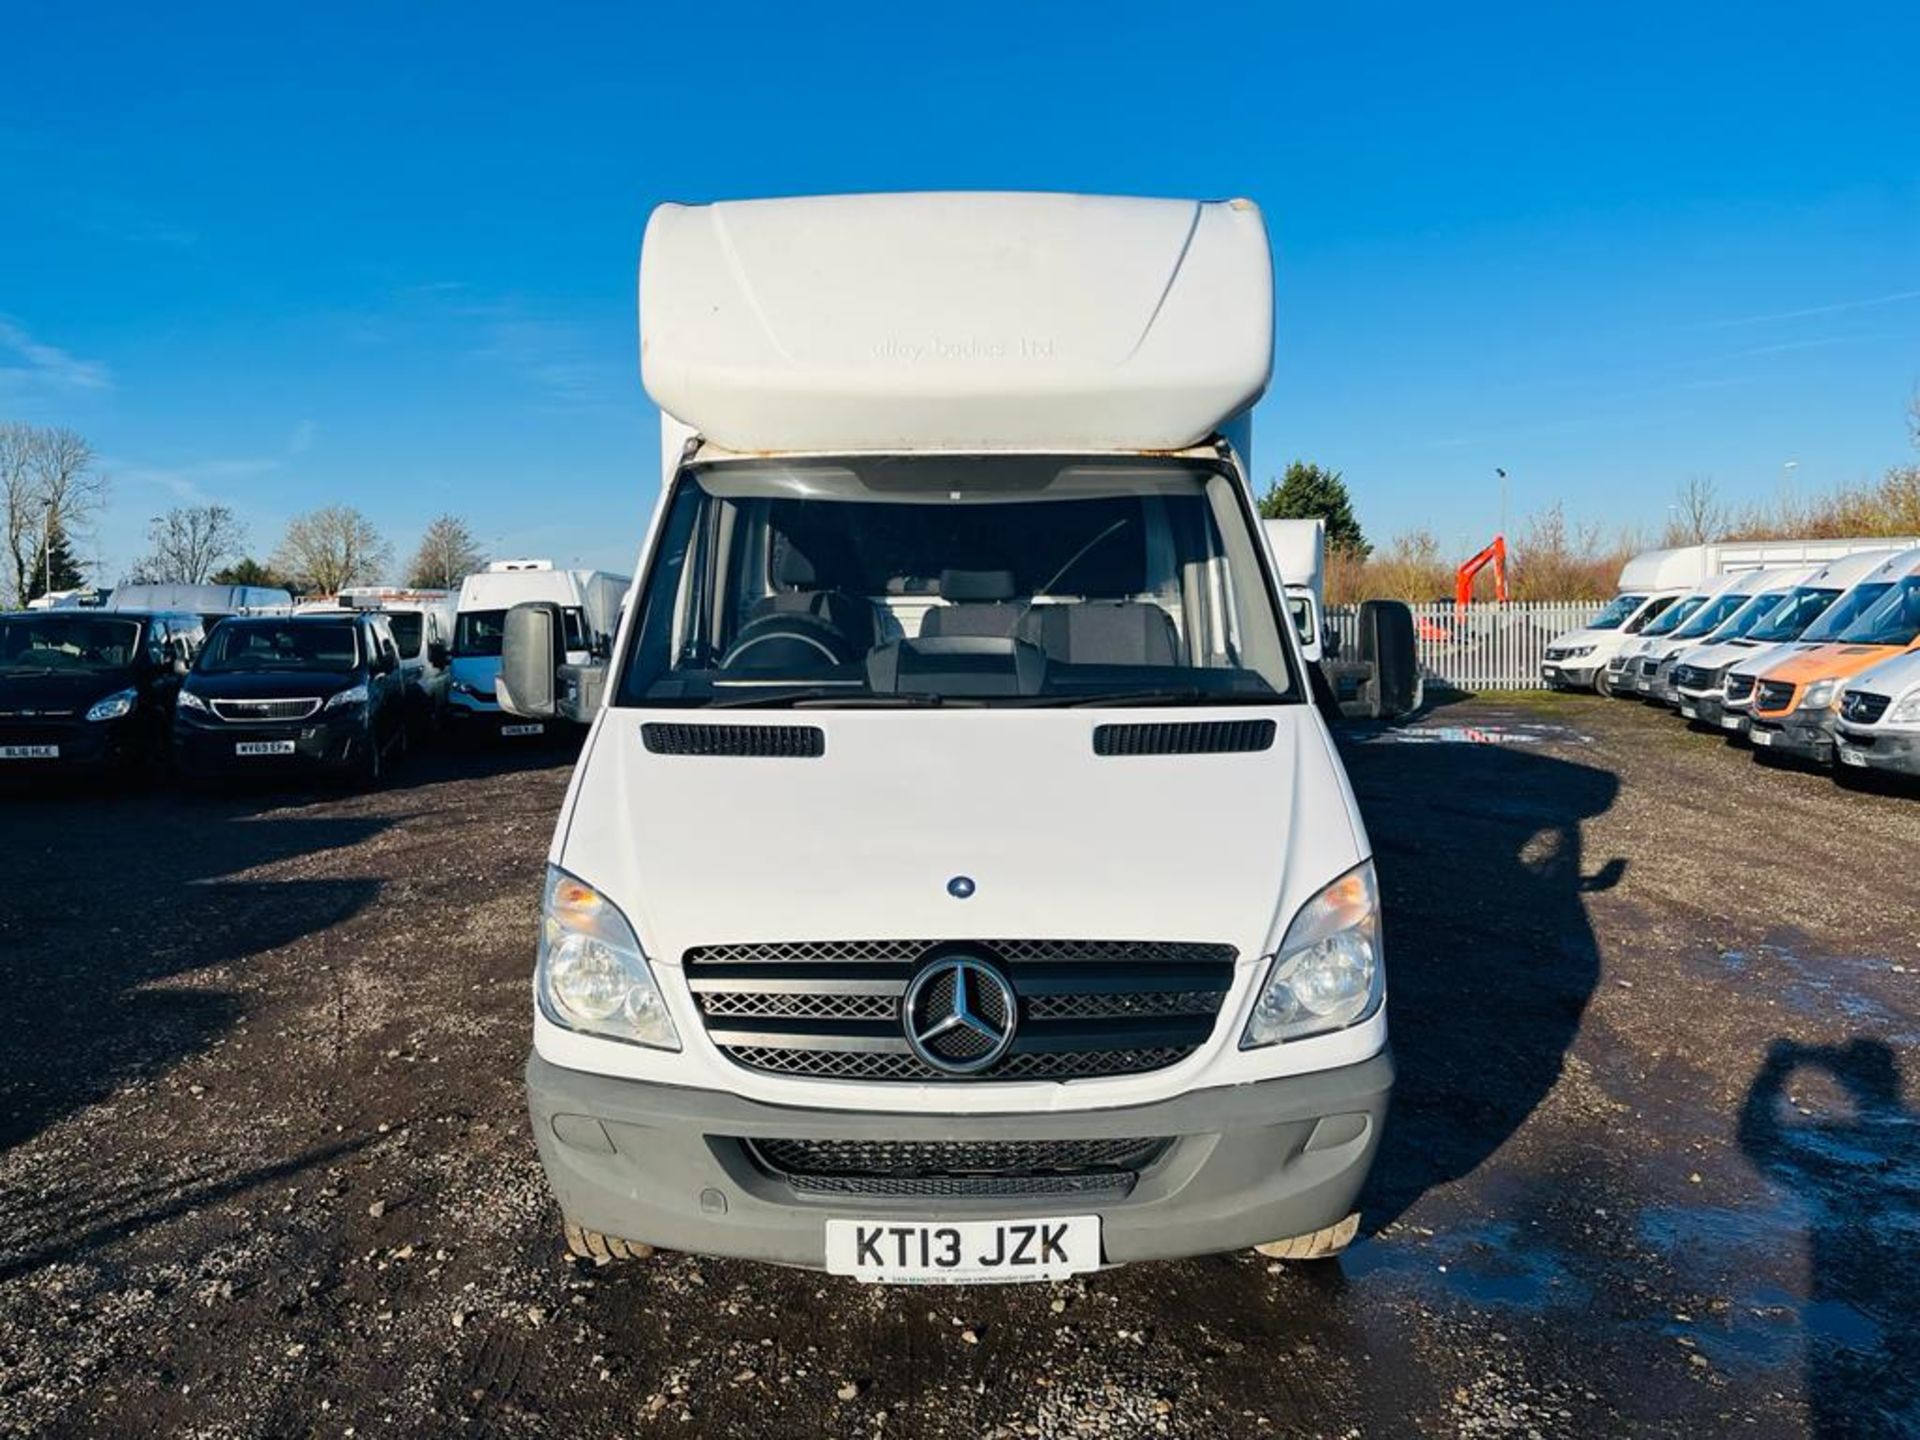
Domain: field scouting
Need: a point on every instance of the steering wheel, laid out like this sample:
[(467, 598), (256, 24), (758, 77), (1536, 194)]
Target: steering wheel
[(793, 643)]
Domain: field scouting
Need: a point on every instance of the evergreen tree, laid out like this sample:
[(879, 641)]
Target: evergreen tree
[(54, 554), (1308, 492), (246, 571)]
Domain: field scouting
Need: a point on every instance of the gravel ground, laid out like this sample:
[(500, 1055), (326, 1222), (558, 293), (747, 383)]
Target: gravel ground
[(1654, 1164)]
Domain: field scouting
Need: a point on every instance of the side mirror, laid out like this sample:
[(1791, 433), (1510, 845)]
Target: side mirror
[(179, 666), (531, 653), (438, 655)]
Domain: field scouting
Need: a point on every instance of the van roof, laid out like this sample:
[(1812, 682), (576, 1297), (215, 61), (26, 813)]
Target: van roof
[(984, 321)]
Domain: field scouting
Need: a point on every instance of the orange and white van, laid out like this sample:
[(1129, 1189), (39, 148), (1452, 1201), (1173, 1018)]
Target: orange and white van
[(1796, 702)]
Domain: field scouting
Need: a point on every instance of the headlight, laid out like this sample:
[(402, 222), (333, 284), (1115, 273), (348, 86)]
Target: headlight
[(352, 695), (1819, 695), (592, 976), (1327, 974), (190, 701), (1574, 652), (1906, 708), (119, 703)]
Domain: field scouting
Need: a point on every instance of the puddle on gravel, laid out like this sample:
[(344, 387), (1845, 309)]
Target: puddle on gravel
[(1515, 734), (1492, 1264), (1829, 985)]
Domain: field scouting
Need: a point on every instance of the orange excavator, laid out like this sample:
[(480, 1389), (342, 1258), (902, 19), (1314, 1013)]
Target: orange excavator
[(1495, 555)]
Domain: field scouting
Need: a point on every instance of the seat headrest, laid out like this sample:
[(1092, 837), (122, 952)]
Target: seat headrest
[(976, 586), (792, 569)]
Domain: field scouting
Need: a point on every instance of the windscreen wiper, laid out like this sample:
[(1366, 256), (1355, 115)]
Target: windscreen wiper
[(818, 697), (1166, 695)]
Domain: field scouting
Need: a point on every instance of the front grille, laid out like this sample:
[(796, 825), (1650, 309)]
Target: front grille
[(1863, 707), (773, 742), (264, 711), (937, 1168), (1647, 667), (1207, 737), (831, 1009), (1773, 695), (1691, 677), (1739, 688)]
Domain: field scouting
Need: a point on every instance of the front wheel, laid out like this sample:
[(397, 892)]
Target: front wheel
[(1602, 686), (1322, 1244)]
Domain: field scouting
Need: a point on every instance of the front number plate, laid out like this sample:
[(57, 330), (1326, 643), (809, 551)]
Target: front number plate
[(29, 752), (263, 747), (1761, 737), (1852, 757), (963, 1252), (522, 729), (1688, 712), (1729, 722)]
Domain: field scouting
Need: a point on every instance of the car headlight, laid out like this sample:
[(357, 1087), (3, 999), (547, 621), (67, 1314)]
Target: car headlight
[(592, 976), (121, 702), (190, 701), (1327, 974), (352, 695), (1819, 695), (1906, 709), (1574, 652)]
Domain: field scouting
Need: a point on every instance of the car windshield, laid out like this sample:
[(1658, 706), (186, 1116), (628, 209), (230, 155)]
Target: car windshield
[(1747, 616), (1793, 613), (975, 580), (1844, 611), (1618, 609), (1893, 620), (237, 646), (1676, 615), (1710, 616), (50, 642)]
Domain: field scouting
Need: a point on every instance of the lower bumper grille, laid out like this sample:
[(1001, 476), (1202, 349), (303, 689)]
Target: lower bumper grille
[(938, 1168), (1085, 1008)]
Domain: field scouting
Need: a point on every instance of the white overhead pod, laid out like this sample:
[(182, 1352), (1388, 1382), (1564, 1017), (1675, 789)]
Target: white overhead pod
[(956, 321)]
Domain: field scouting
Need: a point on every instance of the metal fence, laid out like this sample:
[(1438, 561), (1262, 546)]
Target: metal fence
[(1483, 647)]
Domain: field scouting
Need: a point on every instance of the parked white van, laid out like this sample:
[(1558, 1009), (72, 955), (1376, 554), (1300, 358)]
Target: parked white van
[(589, 602), (1878, 727), (1650, 583), (1701, 677), (209, 602), (957, 883)]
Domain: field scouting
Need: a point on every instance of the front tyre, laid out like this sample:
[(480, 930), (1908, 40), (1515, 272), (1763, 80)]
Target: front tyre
[(1322, 1244), (1601, 685)]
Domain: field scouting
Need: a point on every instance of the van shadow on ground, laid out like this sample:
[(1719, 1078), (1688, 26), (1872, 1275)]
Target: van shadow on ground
[(1856, 1177), (1490, 958), (96, 913)]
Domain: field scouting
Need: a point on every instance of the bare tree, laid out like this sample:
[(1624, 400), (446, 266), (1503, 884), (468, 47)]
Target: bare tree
[(448, 551), (1698, 517), (190, 542), (327, 549), (50, 485)]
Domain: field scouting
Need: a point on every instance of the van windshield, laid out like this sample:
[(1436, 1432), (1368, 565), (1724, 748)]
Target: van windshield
[(240, 646), (1747, 616), (1710, 616), (1618, 609), (1794, 613), (55, 642), (1847, 609), (975, 580), (1893, 620), (1675, 616)]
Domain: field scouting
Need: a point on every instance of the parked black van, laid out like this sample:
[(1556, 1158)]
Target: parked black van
[(90, 691), (281, 694)]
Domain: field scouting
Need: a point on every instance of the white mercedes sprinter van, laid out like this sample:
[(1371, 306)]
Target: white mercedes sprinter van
[(956, 883)]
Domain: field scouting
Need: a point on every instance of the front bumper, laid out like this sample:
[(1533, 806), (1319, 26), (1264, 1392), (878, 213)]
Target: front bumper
[(669, 1166), (1897, 751), (1569, 674), (85, 747), (1707, 709), (208, 750), (464, 719), (1799, 735)]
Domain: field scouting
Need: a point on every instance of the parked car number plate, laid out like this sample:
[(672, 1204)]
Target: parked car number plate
[(263, 747), (1852, 757), (522, 729), (963, 1252), (1761, 737), (1689, 712), (1729, 722), (29, 752)]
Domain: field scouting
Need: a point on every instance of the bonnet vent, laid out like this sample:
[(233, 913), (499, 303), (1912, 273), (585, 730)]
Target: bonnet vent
[(1205, 737), (779, 742)]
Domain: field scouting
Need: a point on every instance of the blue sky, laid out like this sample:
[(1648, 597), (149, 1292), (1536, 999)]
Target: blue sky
[(278, 257)]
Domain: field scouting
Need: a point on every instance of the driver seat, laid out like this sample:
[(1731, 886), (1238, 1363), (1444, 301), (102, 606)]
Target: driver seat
[(798, 592)]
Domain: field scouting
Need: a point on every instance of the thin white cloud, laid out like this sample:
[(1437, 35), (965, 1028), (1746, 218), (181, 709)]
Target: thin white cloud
[(35, 365), (302, 438), (1897, 297)]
